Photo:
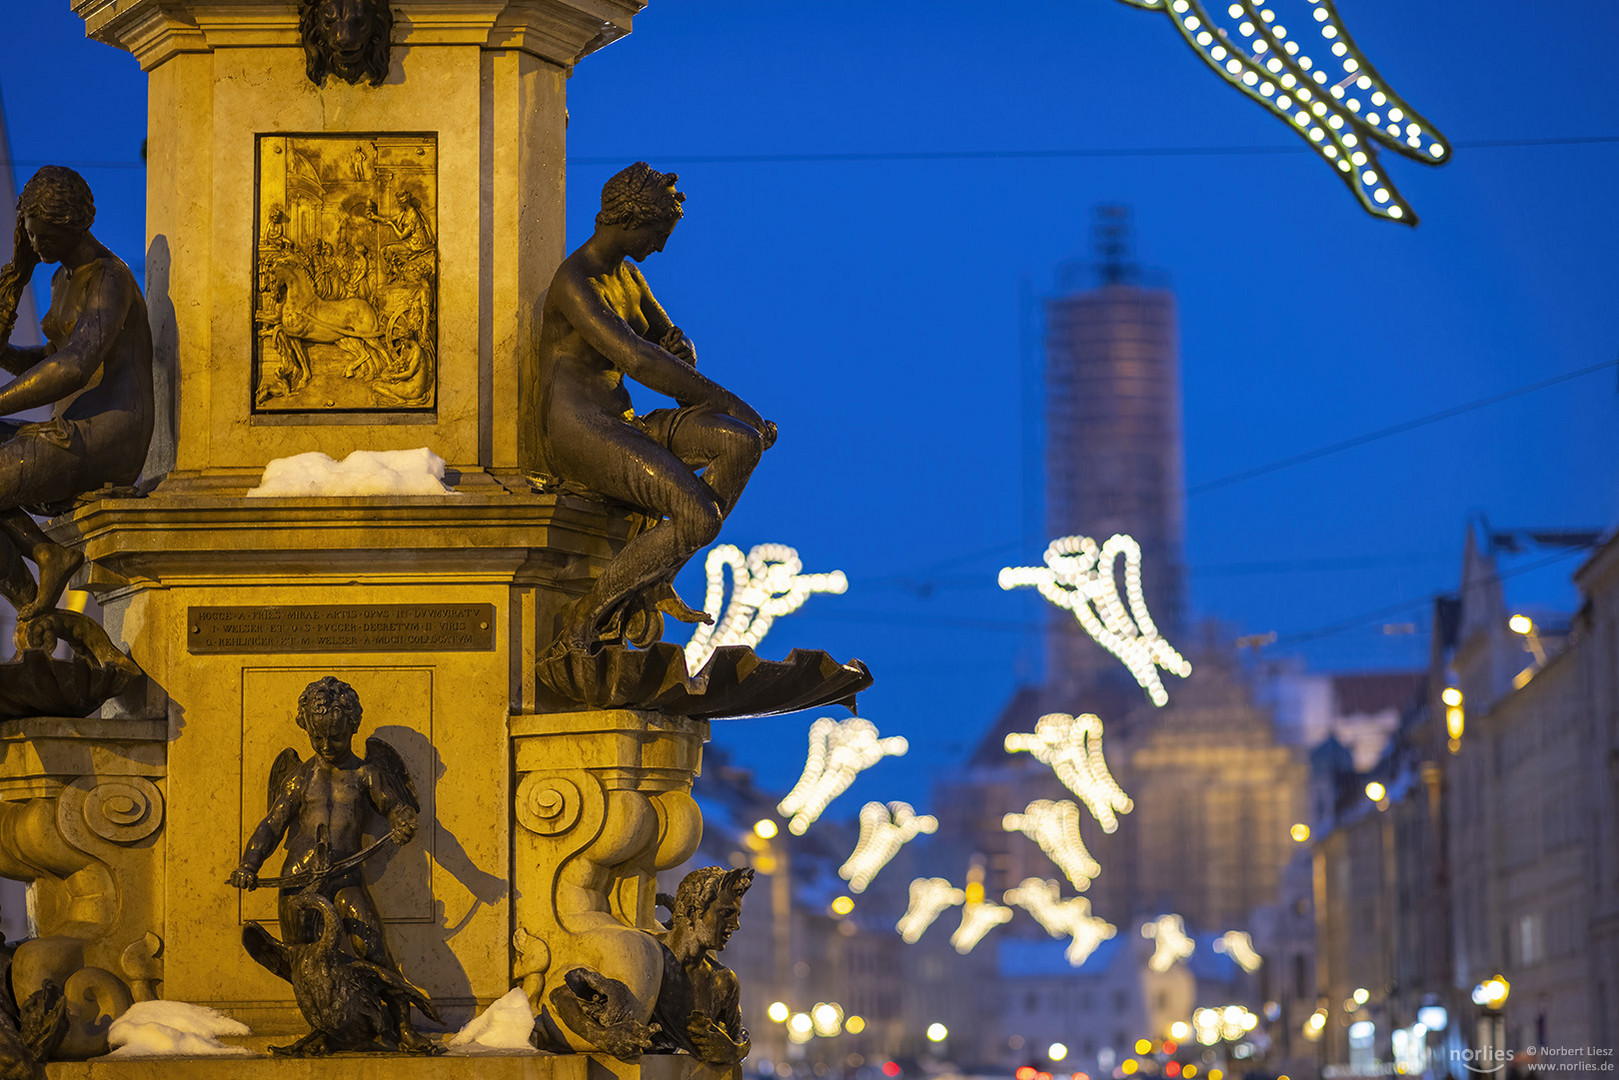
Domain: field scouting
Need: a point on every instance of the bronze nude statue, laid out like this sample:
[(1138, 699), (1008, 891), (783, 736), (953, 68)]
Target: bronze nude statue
[(346, 38), (95, 371), (352, 1002), (600, 325), (699, 1009)]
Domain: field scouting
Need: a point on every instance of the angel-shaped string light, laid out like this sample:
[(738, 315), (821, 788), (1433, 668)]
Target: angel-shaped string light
[(1072, 746), (929, 898), (883, 831), (1240, 947), (976, 921), (1071, 918), (1079, 577), (1334, 99), (1055, 827), (768, 583), (1170, 943), (839, 750)]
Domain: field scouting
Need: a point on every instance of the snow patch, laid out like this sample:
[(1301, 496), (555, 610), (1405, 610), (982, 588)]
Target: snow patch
[(174, 1029), (364, 472), (505, 1025)]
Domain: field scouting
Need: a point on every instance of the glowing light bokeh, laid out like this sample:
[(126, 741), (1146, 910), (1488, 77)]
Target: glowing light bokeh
[(1170, 943), (1071, 918), (765, 584), (1079, 577), (1240, 947), (929, 898), (976, 921), (1072, 746), (883, 831), (839, 750), (1055, 827)]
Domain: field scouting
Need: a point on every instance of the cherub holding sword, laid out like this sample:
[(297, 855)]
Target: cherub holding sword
[(328, 799)]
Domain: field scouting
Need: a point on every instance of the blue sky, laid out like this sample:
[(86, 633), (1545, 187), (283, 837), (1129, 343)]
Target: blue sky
[(878, 310)]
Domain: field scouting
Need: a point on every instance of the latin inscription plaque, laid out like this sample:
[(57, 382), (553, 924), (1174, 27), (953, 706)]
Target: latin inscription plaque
[(314, 628)]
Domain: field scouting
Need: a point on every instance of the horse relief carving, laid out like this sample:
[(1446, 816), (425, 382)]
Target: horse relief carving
[(346, 313)]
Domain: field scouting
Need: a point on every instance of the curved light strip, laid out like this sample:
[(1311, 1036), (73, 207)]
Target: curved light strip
[(930, 897), (1080, 577), (839, 750), (883, 831), (1055, 827), (1240, 947), (1319, 83), (765, 584), (1071, 918), (1170, 943), (1072, 746), (976, 921)]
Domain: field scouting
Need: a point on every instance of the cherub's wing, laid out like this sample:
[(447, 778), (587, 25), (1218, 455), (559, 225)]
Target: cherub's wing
[(286, 764), (1334, 99), (394, 983), (270, 953), (391, 767)]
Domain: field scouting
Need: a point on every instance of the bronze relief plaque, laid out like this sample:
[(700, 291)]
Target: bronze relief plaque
[(346, 259)]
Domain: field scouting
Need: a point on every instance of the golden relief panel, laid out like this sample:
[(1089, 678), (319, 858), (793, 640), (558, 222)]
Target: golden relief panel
[(346, 305)]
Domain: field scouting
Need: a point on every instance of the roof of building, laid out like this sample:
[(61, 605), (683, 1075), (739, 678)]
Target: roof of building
[(1374, 692), (1033, 958)]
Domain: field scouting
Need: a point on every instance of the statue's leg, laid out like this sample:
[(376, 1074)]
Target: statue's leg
[(632, 468), (16, 582), (56, 563), (726, 449), (364, 927)]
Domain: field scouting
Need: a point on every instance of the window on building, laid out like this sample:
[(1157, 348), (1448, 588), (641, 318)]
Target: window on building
[(1120, 1003)]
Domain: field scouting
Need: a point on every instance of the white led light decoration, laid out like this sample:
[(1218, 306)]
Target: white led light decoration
[(883, 831), (1080, 577), (1249, 36), (929, 899), (976, 921), (1071, 918), (1170, 943), (839, 750), (1240, 947), (1055, 827), (1072, 746), (765, 584)]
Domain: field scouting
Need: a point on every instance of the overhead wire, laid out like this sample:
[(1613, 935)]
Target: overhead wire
[(856, 157), (1393, 429)]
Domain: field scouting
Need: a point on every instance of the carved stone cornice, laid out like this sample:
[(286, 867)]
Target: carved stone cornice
[(484, 537), (559, 31)]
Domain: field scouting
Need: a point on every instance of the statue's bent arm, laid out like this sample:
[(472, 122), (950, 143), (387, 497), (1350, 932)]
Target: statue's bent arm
[(71, 367), (274, 825), (653, 367), (19, 358)]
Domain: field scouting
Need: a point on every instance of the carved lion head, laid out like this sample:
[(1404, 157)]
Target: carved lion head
[(346, 38)]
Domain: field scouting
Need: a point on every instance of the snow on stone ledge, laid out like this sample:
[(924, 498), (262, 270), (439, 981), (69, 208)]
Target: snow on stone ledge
[(503, 1027), (173, 1029), (364, 472)]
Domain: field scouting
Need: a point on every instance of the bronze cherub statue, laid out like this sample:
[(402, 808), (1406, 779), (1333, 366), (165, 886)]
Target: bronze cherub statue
[(359, 1002)]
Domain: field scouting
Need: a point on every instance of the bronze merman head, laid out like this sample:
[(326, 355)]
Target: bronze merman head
[(709, 902)]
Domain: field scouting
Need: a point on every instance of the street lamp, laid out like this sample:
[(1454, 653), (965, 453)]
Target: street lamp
[(1491, 996)]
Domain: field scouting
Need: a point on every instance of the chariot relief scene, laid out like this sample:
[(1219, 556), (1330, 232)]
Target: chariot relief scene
[(346, 313)]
